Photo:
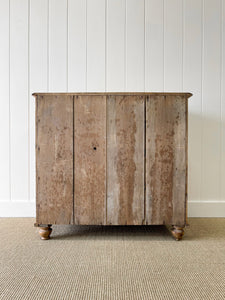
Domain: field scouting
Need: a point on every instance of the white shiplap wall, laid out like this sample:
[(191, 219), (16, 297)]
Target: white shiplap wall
[(112, 45)]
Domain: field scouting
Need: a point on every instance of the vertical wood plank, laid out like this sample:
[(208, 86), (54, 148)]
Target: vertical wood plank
[(77, 45), (165, 160), (154, 51), (19, 146), (90, 159), (4, 102), (173, 45), (115, 46), (211, 155), (223, 105), (54, 153), (193, 83), (135, 45), (38, 71), (125, 160), (95, 45), (57, 46)]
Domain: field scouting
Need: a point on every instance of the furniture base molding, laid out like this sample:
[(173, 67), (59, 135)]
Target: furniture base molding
[(45, 232), (177, 232)]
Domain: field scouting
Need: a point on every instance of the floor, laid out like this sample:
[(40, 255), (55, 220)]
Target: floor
[(94, 262)]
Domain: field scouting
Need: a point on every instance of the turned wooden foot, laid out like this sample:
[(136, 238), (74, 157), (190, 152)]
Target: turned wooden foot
[(45, 232), (177, 232)]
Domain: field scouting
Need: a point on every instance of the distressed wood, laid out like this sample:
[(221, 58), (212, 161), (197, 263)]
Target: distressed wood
[(187, 95), (166, 160), (125, 160), (111, 159), (89, 159), (54, 159)]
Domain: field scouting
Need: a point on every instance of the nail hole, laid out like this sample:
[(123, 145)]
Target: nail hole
[(94, 148)]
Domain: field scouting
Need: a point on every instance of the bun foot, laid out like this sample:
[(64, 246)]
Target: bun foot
[(177, 232), (45, 232)]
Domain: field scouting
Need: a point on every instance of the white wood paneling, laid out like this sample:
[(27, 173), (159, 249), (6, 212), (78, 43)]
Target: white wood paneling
[(19, 83), (192, 71), (211, 152), (115, 45), (154, 45), (222, 121), (4, 102), (57, 58), (77, 21), (38, 70), (173, 45), (96, 45), (206, 209), (135, 54)]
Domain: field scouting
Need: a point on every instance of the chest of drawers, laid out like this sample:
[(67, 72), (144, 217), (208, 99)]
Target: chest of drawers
[(111, 159)]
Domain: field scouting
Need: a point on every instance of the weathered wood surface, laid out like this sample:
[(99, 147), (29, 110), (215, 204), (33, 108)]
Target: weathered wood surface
[(90, 159), (166, 160), (125, 160), (187, 95), (54, 159)]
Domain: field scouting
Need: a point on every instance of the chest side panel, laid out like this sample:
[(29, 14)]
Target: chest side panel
[(166, 156), (90, 159), (125, 160), (54, 159)]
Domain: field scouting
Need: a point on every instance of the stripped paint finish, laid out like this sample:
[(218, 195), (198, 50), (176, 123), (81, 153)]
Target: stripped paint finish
[(125, 160), (166, 160), (89, 159), (54, 159)]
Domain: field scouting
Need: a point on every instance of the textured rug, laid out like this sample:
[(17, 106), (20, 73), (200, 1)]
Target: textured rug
[(94, 262)]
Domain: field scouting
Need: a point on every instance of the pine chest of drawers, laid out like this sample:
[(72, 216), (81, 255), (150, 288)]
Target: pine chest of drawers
[(111, 159)]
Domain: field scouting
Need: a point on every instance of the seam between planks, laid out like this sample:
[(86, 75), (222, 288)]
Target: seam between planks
[(73, 161), (144, 220), (186, 165), (106, 165)]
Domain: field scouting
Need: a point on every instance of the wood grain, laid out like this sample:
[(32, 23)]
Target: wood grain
[(97, 152), (125, 160), (45, 232), (166, 160), (54, 159), (187, 95), (90, 159)]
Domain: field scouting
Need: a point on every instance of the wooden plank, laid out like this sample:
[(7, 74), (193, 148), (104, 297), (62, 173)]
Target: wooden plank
[(193, 83), (95, 45), (57, 45), (135, 53), (187, 95), (222, 177), (166, 155), (38, 72), (173, 39), (211, 105), (90, 159), (115, 57), (54, 164), (125, 160), (154, 47), (77, 45), (5, 103), (19, 101)]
